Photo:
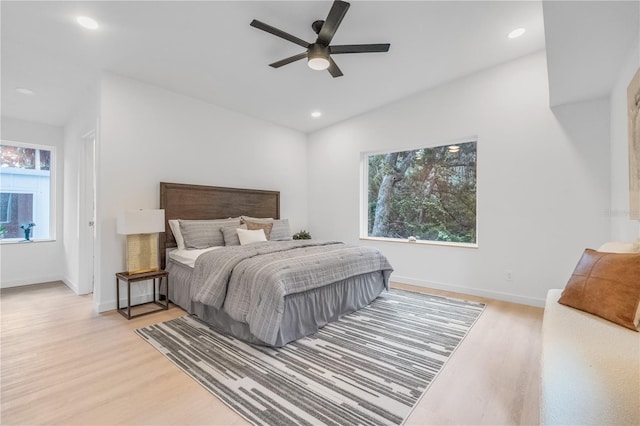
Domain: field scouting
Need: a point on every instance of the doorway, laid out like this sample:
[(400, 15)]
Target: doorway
[(87, 213)]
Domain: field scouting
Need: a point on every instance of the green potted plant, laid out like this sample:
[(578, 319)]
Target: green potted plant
[(302, 235)]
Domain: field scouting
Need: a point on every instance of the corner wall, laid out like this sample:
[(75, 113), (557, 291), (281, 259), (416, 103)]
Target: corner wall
[(543, 180), (150, 135)]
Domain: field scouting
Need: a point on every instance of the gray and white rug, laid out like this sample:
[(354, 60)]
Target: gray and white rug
[(369, 368)]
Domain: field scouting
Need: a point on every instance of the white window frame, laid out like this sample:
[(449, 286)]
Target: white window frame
[(364, 196), (52, 189)]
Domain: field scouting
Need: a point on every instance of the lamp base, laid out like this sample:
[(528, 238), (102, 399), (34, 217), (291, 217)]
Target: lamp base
[(142, 253)]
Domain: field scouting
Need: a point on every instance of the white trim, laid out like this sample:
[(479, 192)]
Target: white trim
[(420, 242), (86, 233), (73, 286), (31, 281), (22, 241), (507, 297), (364, 191), (53, 166)]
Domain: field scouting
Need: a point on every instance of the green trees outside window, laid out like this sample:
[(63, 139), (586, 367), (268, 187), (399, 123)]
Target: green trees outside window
[(426, 193)]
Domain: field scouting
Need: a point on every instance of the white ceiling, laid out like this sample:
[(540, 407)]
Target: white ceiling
[(207, 50)]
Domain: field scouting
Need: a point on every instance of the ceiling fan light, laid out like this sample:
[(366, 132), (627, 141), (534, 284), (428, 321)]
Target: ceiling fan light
[(318, 57), (318, 63)]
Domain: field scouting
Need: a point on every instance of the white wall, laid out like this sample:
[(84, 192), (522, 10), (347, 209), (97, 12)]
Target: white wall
[(82, 122), (622, 228), (149, 135), (39, 261), (543, 180)]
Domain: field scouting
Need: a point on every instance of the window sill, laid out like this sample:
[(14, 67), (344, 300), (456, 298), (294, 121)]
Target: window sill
[(10, 241), (422, 242)]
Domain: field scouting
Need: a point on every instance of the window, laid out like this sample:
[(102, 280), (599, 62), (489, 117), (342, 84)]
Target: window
[(26, 190), (426, 194)]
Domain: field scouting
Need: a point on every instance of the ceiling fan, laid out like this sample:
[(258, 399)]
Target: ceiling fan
[(319, 53)]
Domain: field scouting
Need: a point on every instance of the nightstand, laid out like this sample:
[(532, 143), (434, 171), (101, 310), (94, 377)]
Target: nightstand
[(145, 276)]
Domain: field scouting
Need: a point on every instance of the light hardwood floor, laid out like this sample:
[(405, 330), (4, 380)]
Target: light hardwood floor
[(63, 364)]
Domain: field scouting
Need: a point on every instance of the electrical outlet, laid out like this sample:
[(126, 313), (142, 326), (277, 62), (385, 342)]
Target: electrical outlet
[(508, 275)]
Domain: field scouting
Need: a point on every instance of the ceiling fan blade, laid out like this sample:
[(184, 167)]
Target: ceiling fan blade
[(276, 32), (331, 24), (333, 69), (288, 60), (359, 48)]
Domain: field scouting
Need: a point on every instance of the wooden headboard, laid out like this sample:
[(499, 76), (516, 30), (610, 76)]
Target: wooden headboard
[(182, 201)]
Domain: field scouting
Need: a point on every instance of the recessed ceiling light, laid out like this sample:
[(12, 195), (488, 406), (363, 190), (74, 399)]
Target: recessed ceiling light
[(87, 22), (516, 33), (25, 91), (316, 114)]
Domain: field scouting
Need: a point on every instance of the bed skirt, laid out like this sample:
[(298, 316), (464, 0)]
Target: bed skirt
[(304, 313)]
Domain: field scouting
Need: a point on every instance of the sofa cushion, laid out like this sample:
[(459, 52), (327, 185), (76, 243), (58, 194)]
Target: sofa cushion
[(266, 227), (606, 285), (590, 369)]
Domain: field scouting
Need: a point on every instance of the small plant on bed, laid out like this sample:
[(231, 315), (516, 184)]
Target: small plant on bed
[(302, 235)]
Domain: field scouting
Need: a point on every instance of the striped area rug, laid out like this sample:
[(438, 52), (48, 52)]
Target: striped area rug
[(369, 368)]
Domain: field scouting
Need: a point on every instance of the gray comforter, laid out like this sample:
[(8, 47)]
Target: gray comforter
[(250, 282)]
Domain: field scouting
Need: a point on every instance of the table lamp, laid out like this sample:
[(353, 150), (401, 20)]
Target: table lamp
[(141, 228)]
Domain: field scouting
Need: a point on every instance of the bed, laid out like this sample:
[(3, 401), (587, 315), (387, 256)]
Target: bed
[(269, 292)]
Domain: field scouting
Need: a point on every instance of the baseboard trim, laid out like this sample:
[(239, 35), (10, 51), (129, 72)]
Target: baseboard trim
[(71, 285), (507, 297), (30, 281)]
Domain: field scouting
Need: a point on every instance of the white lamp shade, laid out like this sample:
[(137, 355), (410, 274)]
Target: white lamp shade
[(141, 221)]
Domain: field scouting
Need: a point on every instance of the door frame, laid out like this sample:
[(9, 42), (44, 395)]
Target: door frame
[(87, 213)]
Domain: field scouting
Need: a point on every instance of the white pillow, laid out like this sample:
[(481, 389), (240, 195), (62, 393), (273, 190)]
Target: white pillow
[(175, 229), (618, 247), (247, 236)]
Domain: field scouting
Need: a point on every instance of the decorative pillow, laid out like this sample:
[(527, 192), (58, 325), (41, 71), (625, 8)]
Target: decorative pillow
[(281, 230), (230, 234), (606, 285), (264, 226), (248, 236), (201, 234), (619, 247), (174, 224)]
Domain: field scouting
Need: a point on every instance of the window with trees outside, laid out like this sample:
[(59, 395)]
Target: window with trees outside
[(422, 195), (26, 191)]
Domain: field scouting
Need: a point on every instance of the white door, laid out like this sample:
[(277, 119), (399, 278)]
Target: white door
[(87, 214)]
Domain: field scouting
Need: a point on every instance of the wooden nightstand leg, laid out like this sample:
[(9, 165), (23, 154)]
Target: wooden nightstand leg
[(117, 293)]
